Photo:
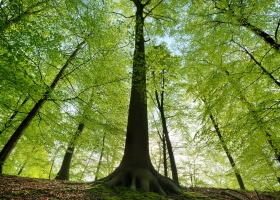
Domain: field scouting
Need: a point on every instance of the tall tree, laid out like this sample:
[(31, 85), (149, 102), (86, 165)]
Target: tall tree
[(136, 169), (160, 106), (63, 173), (271, 140), (240, 41), (164, 70), (228, 153), (9, 146), (100, 158)]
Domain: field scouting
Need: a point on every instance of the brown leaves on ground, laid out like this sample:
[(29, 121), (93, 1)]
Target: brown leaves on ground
[(14, 187), (229, 194)]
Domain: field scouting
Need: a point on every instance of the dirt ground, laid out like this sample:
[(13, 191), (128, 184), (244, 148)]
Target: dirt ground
[(14, 187)]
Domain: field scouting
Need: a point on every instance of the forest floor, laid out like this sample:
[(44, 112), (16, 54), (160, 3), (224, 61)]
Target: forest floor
[(14, 187)]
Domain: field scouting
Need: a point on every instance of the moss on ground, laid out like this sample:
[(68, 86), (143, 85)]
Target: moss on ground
[(122, 193)]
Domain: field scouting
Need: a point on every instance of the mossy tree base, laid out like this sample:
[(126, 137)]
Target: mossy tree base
[(147, 180)]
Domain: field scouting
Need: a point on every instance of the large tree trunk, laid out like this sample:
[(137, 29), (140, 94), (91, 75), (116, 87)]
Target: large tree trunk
[(229, 156), (136, 169), (10, 145)]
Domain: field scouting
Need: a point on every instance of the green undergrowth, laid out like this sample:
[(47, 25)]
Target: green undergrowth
[(123, 193)]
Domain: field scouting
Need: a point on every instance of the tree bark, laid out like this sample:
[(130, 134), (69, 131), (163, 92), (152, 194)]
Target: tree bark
[(229, 156), (166, 137), (164, 156), (63, 173), (136, 169), (257, 31), (9, 146), (10, 120), (264, 70)]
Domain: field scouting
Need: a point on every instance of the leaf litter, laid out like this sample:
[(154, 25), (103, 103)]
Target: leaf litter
[(15, 187)]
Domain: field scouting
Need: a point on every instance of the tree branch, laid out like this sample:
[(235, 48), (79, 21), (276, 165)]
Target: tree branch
[(276, 31), (153, 8), (123, 15), (259, 64)]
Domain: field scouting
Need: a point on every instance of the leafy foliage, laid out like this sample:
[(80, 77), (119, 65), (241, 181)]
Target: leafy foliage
[(217, 57)]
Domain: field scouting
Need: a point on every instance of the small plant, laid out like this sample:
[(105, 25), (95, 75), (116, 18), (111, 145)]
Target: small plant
[(20, 193)]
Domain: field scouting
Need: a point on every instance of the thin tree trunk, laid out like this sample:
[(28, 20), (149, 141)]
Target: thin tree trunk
[(26, 160), (164, 156), (86, 166), (268, 135), (229, 156), (22, 167), (169, 148), (100, 158), (63, 173), (4, 154), (257, 31), (263, 69), (160, 105), (53, 161)]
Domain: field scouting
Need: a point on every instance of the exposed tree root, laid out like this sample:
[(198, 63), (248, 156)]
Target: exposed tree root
[(143, 179)]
